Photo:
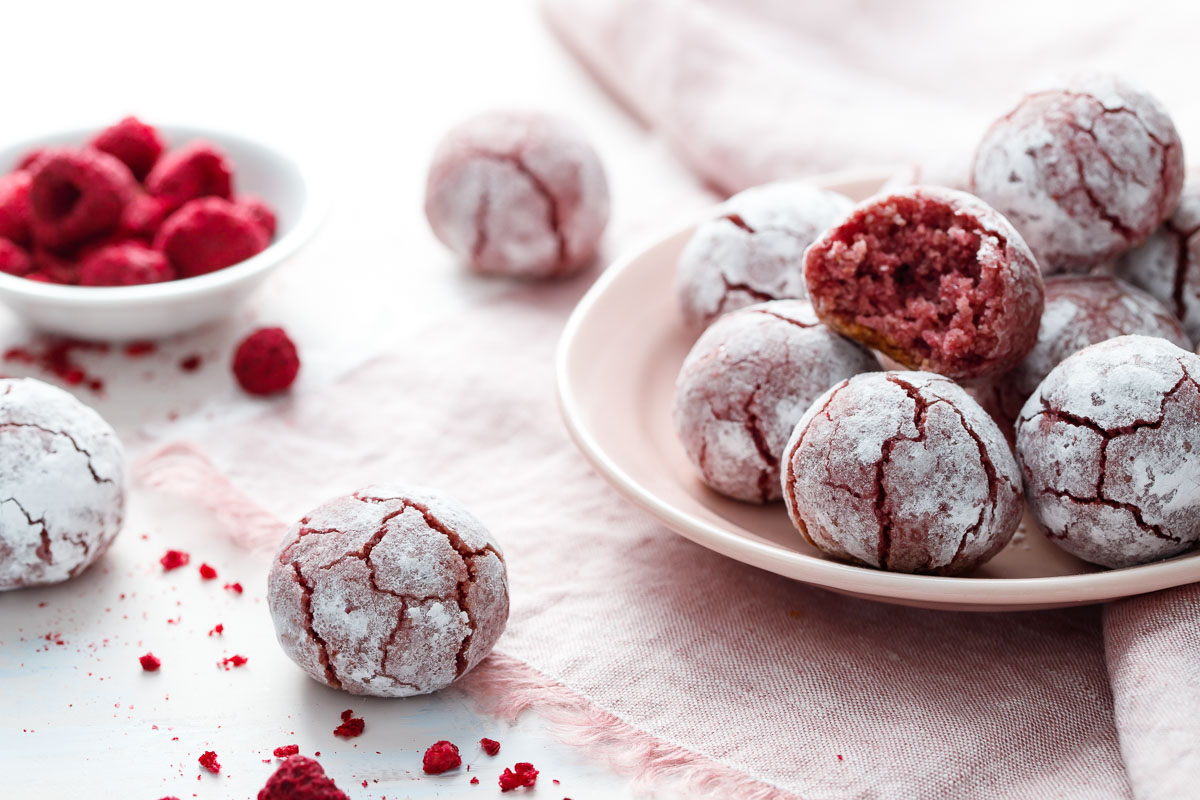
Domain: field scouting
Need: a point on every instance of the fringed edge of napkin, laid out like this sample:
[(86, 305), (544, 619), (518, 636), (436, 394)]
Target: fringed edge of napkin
[(506, 688)]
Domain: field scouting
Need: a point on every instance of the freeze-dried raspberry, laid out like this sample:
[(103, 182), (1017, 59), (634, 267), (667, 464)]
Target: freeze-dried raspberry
[(351, 726), (150, 662), (490, 746), (266, 361), (32, 159), (209, 234), (13, 259), (263, 214), (126, 264), (300, 778), (135, 143), (143, 216), (522, 774), (15, 207), (77, 194), (53, 267), (440, 757), (198, 169), (209, 761)]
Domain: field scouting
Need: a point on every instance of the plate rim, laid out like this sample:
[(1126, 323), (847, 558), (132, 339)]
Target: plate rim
[(1093, 587)]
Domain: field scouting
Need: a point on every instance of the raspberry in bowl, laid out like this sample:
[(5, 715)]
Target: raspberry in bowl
[(141, 232)]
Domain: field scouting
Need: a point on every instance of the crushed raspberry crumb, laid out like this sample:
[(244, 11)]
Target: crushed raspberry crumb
[(474, 780), (522, 774), (209, 761), (266, 361), (236, 588), (233, 661), (840, 758), (351, 726), (191, 363), (217, 630), (57, 357), (207, 572), (286, 750), (150, 662), (490, 746), (174, 559), (139, 349), (440, 757)]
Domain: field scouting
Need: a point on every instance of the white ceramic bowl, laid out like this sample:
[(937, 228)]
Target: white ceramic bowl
[(158, 310)]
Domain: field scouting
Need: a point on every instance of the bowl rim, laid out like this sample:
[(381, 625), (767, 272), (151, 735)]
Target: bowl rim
[(959, 592), (67, 296)]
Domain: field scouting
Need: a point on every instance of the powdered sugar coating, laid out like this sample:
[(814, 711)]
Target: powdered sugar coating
[(744, 385), (1080, 310), (932, 277), (518, 193), (1168, 264), (902, 471), (62, 484), (753, 250), (1084, 172), (1108, 448), (388, 592)]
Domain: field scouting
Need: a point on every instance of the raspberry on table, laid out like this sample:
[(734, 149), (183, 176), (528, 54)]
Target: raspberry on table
[(266, 361)]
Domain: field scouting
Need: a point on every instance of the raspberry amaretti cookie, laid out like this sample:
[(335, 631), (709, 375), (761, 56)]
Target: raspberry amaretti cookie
[(1080, 310), (389, 591), (753, 250), (62, 484), (520, 194), (1168, 264), (933, 278), (1110, 449), (1085, 171), (744, 385), (902, 471)]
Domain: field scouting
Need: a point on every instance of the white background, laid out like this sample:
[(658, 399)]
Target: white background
[(364, 91)]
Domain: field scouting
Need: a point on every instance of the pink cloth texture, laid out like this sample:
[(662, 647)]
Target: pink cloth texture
[(705, 676), (750, 91)]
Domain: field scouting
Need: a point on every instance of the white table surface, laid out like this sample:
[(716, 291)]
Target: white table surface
[(365, 91)]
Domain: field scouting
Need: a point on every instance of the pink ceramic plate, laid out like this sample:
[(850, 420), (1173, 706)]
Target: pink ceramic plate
[(617, 363)]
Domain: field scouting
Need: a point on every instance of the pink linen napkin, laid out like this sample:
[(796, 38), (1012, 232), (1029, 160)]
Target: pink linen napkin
[(691, 670)]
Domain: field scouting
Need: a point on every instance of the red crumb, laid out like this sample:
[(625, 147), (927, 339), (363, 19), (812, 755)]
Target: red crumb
[(233, 661), (490, 746), (474, 780), (57, 357), (174, 559), (218, 630), (839, 758), (351, 726), (139, 349), (522, 774), (150, 662), (266, 361), (209, 762), (236, 588), (191, 363), (207, 572), (440, 757), (286, 750), (300, 778)]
